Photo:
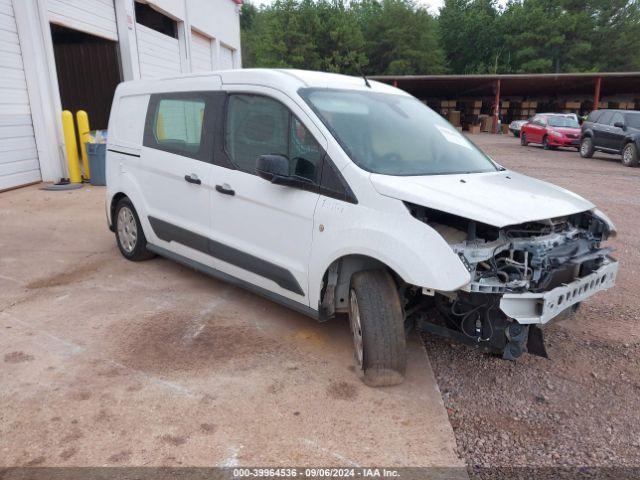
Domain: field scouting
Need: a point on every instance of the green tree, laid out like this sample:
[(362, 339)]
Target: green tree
[(399, 38), (471, 36)]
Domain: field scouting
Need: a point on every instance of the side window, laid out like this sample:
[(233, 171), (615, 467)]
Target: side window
[(175, 125), (605, 117), (304, 152), (593, 116), (617, 117), (258, 125)]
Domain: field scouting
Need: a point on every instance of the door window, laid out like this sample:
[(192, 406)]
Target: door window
[(605, 118), (617, 117), (258, 125), (175, 124)]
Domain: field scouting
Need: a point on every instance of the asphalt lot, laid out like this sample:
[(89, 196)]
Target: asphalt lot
[(106, 362)]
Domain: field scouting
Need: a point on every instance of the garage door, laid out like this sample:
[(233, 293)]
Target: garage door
[(159, 54), (201, 53), (18, 155), (226, 58), (97, 17)]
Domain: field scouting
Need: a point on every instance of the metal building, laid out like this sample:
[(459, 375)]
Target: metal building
[(71, 54)]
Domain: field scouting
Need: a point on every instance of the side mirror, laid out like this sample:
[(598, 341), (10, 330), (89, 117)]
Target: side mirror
[(619, 125), (272, 167)]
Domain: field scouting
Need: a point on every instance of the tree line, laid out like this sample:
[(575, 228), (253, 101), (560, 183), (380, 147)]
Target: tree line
[(399, 37)]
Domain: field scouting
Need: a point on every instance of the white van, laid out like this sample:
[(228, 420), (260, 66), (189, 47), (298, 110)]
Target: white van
[(337, 195)]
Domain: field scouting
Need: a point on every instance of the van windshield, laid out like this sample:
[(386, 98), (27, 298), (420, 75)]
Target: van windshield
[(395, 134)]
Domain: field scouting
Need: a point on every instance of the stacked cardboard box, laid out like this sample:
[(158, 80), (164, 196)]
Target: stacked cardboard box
[(454, 118), (486, 123), (446, 106), (504, 108), (571, 107), (527, 109)]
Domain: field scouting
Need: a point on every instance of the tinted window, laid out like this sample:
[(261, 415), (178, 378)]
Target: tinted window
[(175, 124), (593, 116), (633, 120), (395, 134), (605, 118), (617, 117), (258, 125)]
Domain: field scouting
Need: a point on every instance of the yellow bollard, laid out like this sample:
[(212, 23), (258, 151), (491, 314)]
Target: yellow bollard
[(71, 147), (82, 119)]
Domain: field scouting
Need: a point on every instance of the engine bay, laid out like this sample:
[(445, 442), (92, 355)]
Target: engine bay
[(522, 269)]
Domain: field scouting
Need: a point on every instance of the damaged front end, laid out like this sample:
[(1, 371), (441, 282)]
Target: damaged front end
[(522, 276)]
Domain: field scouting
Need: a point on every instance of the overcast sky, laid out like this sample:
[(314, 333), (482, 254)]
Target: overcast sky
[(432, 5)]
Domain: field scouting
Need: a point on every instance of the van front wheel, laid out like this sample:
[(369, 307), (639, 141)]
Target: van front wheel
[(377, 326)]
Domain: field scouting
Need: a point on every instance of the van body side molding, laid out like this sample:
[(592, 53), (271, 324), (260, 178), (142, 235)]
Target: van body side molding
[(171, 233), (217, 274)]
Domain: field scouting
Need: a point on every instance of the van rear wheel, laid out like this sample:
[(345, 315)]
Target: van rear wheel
[(377, 327), (129, 234)]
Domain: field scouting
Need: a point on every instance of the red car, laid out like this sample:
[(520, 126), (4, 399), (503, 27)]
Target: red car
[(552, 130)]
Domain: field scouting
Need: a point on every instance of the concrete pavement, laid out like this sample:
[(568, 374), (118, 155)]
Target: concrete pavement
[(109, 362)]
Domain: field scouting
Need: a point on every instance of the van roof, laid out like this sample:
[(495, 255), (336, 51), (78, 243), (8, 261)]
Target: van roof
[(282, 79)]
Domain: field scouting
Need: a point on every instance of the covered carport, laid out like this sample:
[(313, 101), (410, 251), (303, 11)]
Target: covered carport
[(514, 94)]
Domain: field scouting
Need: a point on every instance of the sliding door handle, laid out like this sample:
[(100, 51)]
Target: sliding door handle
[(193, 178), (225, 189)]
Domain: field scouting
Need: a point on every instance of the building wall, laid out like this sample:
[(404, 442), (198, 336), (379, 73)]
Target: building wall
[(214, 21)]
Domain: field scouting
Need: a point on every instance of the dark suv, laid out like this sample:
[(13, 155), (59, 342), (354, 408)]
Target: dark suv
[(612, 131)]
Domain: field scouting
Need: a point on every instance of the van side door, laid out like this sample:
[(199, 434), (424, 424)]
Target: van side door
[(174, 173), (263, 231)]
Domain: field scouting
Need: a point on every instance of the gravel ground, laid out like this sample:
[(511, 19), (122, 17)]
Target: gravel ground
[(581, 406)]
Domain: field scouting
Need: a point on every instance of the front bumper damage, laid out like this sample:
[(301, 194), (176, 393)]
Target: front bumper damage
[(539, 308), (522, 277)]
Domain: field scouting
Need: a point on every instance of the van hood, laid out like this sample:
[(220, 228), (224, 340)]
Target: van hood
[(496, 198)]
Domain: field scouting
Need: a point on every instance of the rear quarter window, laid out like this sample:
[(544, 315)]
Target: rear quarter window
[(128, 124), (633, 120), (175, 124)]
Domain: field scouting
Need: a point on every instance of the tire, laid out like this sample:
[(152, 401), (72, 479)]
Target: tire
[(129, 234), (586, 147), (377, 326), (630, 155), (545, 143), (516, 134), (523, 139)]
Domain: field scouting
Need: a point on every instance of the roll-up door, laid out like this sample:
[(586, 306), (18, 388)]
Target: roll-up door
[(18, 154), (159, 54), (201, 53), (226, 58), (96, 17)]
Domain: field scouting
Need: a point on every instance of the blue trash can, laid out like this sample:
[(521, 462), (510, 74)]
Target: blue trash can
[(97, 153)]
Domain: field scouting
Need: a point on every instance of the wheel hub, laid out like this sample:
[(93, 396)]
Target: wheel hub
[(127, 229)]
